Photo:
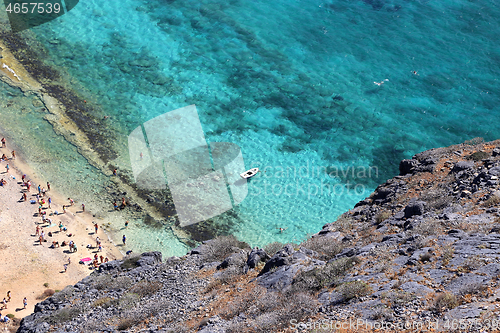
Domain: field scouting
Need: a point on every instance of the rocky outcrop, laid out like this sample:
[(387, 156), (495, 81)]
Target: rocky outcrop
[(423, 248)]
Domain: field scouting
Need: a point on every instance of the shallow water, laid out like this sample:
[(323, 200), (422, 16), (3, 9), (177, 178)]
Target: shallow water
[(292, 84)]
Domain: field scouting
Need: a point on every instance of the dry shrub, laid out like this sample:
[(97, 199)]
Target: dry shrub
[(478, 156), (474, 141), (146, 288), (323, 276), (226, 277), (126, 323), (448, 252), (221, 247), (108, 282), (445, 301), (398, 298), (104, 302), (46, 293), (473, 263), (493, 200), (326, 247), (272, 248), (354, 289), (476, 288), (344, 223), (382, 216)]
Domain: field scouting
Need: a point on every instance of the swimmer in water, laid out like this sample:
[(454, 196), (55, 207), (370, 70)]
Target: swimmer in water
[(381, 82), (415, 72)]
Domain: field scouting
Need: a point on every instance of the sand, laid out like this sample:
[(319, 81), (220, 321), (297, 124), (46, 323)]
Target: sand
[(26, 265)]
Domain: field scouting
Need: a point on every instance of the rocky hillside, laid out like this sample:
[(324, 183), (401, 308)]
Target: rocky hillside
[(422, 253)]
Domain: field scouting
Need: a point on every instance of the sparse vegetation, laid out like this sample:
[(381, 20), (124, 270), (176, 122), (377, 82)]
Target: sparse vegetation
[(126, 323), (272, 248), (354, 289), (478, 156), (493, 200), (476, 288), (46, 284), (326, 247), (105, 281), (221, 247), (473, 263), (382, 216), (46, 293), (445, 301), (105, 302), (324, 276), (474, 141), (130, 262), (448, 252), (146, 288)]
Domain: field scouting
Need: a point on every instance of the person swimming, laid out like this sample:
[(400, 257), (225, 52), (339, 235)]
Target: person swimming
[(381, 82)]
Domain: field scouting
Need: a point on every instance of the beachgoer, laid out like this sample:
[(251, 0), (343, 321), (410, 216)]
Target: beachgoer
[(381, 82), (43, 191), (7, 167), (102, 258), (25, 302), (64, 209), (126, 224), (65, 267), (4, 302), (61, 226), (83, 207), (124, 239), (23, 178), (4, 157), (74, 248), (8, 296), (69, 261), (128, 252), (50, 201), (25, 196), (71, 201), (114, 172), (123, 202), (3, 142), (95, 256), (39, 189), (13, 154), (40, 239), (38, 230), (115, 205), (97, 241), (141, 155), (96, 227), (106, 259), (48, 186), (100, 247)]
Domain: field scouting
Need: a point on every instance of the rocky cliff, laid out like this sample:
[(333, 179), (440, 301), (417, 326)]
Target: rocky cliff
[(421, 253)]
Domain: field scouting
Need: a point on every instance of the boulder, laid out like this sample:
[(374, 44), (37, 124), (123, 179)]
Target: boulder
[(256, 255), (414, 208), (150, 259)]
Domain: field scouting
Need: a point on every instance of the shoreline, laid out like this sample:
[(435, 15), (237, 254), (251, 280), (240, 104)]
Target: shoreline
[(27, 264)]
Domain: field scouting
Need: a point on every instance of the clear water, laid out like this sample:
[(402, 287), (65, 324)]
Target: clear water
[(292, 83)]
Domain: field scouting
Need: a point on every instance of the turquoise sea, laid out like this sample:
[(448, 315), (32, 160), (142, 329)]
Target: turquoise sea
[(292, 83)]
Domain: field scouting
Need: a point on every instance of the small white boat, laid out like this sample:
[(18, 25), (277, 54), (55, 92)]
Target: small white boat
[(249, 173)]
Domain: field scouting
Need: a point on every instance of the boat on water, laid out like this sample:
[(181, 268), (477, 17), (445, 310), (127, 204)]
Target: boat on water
[(249, 173)]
